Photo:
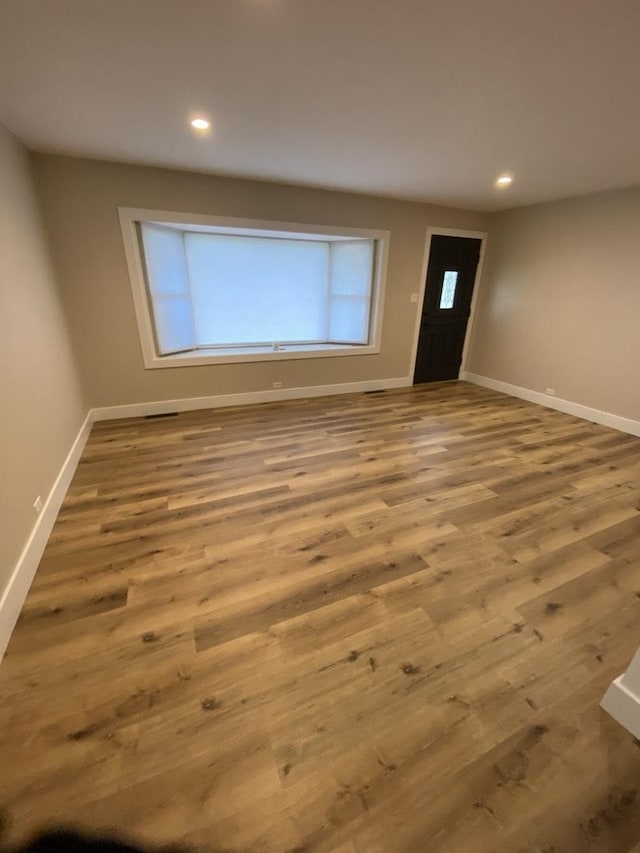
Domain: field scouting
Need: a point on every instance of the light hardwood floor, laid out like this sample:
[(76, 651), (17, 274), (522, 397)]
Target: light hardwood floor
[(379, 623)]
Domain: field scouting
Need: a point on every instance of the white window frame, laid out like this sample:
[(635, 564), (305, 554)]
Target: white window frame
[(129, 219)]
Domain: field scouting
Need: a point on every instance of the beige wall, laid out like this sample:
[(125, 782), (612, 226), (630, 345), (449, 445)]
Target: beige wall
[(80, 200), (559, 305), (42, 408)]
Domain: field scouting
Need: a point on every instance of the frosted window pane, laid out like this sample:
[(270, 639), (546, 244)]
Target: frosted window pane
[(166, 264), (257, 290), (168, 282), (351, 267), (174, 323), (349, 319), (448, 294)]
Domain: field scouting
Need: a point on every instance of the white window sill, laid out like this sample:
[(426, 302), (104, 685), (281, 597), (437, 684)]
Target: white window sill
[(249, 354)]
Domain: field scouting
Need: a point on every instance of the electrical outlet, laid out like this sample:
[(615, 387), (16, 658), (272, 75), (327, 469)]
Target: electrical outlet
[(413, 297), (277, 385), (550, 391), (37, 505)]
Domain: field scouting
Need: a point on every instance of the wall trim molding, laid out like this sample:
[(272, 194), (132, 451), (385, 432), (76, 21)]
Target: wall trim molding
[(188, 404), (567, 406), (623, 705), (14, 595)]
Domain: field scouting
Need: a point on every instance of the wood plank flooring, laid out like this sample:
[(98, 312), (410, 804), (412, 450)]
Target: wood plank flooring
[(379, 623)]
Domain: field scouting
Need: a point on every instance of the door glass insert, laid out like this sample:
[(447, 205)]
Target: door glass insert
[(448, 292)]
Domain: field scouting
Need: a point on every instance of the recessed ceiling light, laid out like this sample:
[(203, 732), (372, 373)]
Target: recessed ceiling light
[(200, 123), (504, 181)]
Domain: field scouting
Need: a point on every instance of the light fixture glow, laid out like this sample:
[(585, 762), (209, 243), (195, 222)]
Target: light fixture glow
[(200, 123), (504, 181)]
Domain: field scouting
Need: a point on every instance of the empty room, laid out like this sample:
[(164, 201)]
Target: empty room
[(320, 435)]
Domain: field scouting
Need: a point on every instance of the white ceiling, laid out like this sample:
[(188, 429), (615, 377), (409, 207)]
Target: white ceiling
[(419, 99)]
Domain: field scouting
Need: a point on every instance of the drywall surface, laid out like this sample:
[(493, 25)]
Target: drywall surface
[(42, 406), (559, 305), (80, 199)]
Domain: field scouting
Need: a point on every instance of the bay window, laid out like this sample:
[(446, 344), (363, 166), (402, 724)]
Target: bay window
[(209, 290)]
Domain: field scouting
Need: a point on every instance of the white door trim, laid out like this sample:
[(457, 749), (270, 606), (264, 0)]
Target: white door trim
[(447, 232)]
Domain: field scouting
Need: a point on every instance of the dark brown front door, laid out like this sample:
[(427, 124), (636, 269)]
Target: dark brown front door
[(447, 303)]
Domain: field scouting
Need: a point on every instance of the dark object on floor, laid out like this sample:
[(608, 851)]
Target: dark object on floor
[(70, 841)]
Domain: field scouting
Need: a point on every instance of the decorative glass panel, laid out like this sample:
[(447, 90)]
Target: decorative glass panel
[(448, 294)]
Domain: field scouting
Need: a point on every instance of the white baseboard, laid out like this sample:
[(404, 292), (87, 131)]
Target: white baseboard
[(623, 705), (188, 404), (567, 406), (16, 590)]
